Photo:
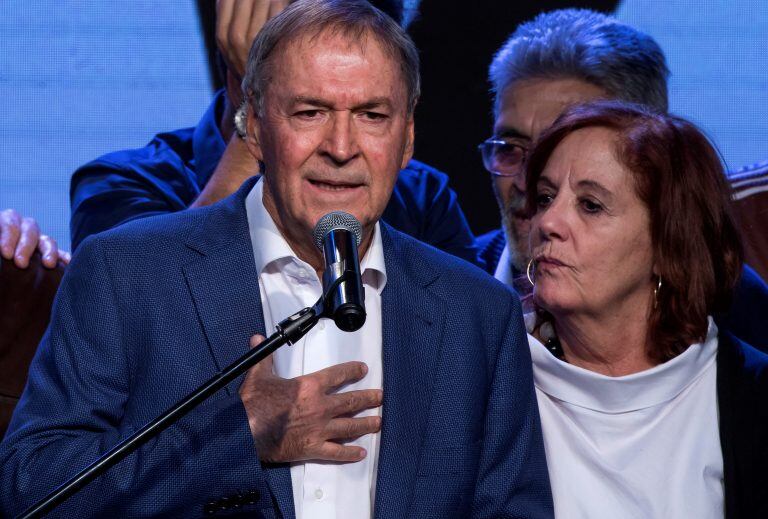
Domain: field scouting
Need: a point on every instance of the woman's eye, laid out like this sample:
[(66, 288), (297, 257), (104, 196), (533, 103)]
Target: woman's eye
[(590, 206), (543, 200)]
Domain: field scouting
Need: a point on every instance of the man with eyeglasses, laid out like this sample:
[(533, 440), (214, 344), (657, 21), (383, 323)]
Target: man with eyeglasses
[(556, 60)]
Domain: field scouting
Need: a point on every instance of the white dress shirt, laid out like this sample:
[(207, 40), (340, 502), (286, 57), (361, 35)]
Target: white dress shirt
[(288, 284), (503, 270), (643, 446)]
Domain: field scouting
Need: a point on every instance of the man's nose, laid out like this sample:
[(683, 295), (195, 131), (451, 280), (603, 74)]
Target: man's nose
[(340, 142)]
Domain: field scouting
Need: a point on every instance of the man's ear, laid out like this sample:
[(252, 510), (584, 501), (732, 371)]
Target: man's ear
[(409, 142), (253, 134)]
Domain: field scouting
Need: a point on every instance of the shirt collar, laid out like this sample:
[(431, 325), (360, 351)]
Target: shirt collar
[(273, 249), (511, 277), (605, 394), (207, 142), (504, 268)]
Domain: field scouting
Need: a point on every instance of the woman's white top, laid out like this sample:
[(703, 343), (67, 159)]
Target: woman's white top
[(640, 446)]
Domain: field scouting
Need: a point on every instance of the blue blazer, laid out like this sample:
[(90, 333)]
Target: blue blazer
[(148, 311)]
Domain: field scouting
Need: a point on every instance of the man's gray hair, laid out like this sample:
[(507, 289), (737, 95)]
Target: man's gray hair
[(354, 19), (582, 44)]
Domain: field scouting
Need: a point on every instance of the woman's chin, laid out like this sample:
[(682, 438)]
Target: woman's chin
[(555, 304)]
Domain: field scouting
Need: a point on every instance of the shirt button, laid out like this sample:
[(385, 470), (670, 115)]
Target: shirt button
[(302, 273), (321, 325), (319, 494)]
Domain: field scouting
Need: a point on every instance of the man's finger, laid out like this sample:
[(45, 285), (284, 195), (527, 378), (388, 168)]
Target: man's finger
[(276, 7), (334, 377), (330, 451), (28, 239), (256, 340), (352, 428), (10, 229), (238, 34), (263, 368), (352, 402), (49, 251), (65, 256), (224, 10), (262, 11)]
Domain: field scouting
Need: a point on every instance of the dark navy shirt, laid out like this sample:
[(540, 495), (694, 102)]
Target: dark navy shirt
[(169, 173)]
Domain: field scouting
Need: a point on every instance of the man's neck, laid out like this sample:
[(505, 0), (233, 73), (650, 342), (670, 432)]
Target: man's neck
[(303, 245)]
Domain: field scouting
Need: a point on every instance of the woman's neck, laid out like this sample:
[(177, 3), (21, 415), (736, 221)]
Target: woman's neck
[(614, 345)]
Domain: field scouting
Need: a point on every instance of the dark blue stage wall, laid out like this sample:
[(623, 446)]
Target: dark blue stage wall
[(81, 78)]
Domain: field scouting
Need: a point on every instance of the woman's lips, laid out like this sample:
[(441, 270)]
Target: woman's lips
[(549, 262)]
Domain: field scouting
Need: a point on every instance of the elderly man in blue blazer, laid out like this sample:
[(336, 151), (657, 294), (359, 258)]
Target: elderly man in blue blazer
[(427, 411)]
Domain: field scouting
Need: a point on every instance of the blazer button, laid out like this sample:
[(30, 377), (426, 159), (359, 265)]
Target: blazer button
[(210, 508), (251, 497)]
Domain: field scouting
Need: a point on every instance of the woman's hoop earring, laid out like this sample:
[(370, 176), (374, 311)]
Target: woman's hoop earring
[(656, 293), (528, 272)]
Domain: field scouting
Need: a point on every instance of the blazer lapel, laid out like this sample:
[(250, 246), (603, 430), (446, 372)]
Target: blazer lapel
[(224, 286), (412, 328)]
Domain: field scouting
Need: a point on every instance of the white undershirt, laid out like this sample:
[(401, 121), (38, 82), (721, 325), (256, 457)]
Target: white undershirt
[(643, 446), (288, 284)]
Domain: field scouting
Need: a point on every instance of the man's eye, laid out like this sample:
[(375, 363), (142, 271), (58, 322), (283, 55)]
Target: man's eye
[(374, 116), (511, 152), (308, 114)]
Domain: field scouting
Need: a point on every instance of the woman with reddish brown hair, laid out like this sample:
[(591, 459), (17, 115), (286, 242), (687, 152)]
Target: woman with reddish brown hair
[(647, 409)]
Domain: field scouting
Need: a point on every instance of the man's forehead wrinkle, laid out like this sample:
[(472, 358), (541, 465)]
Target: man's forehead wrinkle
[(351, 36), (510, 132), (294, 79)]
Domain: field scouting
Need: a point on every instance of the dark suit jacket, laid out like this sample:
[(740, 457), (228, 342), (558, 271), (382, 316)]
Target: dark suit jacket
[(742, 397), (747, 317), (148, 311)]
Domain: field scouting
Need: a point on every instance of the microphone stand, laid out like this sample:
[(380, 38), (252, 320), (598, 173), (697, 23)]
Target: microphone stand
[(289, 330)]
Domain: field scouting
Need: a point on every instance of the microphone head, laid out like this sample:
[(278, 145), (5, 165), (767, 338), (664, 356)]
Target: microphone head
[(337, 220)]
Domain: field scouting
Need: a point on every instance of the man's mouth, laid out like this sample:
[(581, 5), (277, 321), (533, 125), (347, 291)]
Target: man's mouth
[(333, 186)]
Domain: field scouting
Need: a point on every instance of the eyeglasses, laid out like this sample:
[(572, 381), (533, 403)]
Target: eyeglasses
[(502, 158)]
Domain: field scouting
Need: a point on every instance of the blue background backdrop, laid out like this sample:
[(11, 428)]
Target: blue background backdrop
[(81, 78)]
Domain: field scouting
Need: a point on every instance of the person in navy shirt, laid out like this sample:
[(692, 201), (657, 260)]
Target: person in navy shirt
[(198, 166)]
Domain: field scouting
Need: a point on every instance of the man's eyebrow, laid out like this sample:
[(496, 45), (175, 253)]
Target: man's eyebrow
[(375, 102), (511, 133), (312, 101)]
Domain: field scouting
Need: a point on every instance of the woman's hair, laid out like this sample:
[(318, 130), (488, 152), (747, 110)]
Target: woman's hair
[(678, 175)]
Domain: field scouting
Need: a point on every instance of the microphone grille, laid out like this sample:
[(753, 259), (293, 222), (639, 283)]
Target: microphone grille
[(337, 220)]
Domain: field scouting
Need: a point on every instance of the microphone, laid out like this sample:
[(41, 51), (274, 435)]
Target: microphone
[(338, 234)]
